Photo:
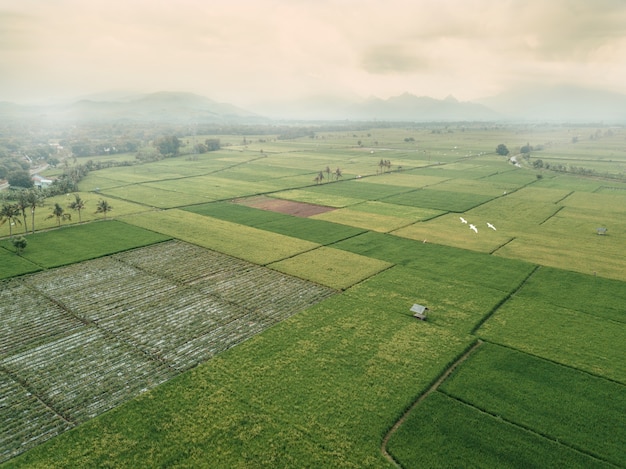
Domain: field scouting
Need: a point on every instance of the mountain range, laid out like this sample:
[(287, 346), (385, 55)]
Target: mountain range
[(533, 104)]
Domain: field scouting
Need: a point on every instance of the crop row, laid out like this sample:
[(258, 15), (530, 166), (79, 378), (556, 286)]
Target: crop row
[(86, 373), (25, 420), (183, 263), (80, 340), (28, 318)]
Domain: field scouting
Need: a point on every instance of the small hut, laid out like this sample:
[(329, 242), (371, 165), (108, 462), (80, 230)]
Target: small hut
[(601, 231), (419, 311)]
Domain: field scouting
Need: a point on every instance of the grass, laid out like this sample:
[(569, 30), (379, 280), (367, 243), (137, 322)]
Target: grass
[(600, 297), (592, 344), (251, 244), (443, 432), (77, 243), (309, 229), (331, 267), (564, 404), (319, 389), (317, 197), (439, 200), (322, 388), (11, 264), (364, 220), (440, 262), (43, 221)]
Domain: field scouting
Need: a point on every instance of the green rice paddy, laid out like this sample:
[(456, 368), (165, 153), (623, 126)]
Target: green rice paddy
[(542, 295)]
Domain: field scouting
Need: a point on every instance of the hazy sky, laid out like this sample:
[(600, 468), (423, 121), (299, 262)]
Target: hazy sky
[(242, 51)]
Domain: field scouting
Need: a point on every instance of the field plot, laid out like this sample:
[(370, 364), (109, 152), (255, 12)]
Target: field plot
[(563, 404), (439, 200), (87, 337), (309, 229), (12, 265), (441, 262), (286, 207), (26, 420), (473, 186), (317, 198), (467, 170), (593, 344), (558, 244), (331, 267), (412, 179), (443, 432), (608, 202), (364, 220), (600, 297), (31, 320), (264, 171), (43, 220), (450, 231), (402, 211), (76, 243), (363, 189), (210, 187), (251, 244), (154, 196)]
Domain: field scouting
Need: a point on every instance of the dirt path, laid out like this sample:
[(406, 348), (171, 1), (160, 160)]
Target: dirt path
[(434, 387)]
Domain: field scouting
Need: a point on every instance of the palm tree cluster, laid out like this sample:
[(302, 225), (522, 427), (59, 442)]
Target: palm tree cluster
[(329, 173), (384, 165)]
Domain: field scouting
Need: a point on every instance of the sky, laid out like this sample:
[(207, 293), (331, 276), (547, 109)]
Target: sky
[(247, 51)]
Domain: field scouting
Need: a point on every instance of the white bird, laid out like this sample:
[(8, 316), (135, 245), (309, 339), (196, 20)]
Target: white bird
[(491, 226), (463, 220), (472, 227)]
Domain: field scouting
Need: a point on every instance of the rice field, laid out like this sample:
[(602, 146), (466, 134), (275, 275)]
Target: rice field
[(541, 291), (85, 338)]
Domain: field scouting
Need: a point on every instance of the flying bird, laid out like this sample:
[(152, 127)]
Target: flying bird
[(463, 220), (472, 227), (491, 226)]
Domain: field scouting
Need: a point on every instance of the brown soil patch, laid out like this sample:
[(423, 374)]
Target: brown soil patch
[(288, 207)]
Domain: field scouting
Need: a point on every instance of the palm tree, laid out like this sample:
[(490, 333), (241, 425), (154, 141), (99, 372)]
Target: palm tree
[(77, 205), (327, 173), (23, 205), (35, 199), (338, 174), (103, 207), (10, 213), (59, 212), (320, 176)]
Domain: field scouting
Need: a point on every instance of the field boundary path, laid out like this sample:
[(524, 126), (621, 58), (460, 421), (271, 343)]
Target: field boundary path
[(421, 398)]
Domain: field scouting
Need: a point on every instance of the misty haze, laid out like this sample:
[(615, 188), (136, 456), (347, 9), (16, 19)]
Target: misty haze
[(263, 233)]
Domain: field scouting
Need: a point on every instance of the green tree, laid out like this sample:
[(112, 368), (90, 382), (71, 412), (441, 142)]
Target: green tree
[(59, 213), (502, 150), (77, 205), (212, 144), (19, 243), (20, 178), (103, 207), (9, 213), (168, 146)]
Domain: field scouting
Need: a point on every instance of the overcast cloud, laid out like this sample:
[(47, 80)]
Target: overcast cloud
[(243, 51)]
